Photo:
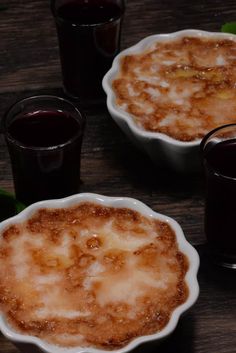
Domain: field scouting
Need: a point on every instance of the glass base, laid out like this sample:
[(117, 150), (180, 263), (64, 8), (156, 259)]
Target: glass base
[(227, 261), (227, 265)]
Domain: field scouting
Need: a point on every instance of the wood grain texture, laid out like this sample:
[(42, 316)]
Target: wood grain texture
[(29, 64)]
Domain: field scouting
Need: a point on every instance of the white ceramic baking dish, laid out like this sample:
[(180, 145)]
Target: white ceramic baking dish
[(29, 344), (162, 149)]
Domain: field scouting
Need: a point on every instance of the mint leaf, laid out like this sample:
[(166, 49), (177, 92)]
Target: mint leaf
[(5, 193), (19, 206), (229, 27), (3, 7), (9, 206)]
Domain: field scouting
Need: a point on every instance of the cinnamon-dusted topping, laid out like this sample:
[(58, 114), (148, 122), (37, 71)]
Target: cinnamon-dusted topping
[(90, 275), (181, 87)]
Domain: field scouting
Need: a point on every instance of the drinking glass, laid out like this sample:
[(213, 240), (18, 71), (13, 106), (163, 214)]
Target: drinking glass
[(89, 39), (44, 136), (219, 158)]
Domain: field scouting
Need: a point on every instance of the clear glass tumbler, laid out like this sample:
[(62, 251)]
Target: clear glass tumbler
[(44, 136), (89, 39), (219, 157)]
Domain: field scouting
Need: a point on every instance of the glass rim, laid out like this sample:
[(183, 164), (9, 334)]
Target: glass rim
[(212, 132), (86, 25), (203, 144), (22, 146)]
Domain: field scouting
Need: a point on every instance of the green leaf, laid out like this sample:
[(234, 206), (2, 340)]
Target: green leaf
[(4, 192), (9, 206), (229, 27), (3, 7), (19, 206)]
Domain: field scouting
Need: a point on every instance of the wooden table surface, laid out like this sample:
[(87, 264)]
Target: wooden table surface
[(29, 65)]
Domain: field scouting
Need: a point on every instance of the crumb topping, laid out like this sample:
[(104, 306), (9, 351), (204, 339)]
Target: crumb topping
[(90, 275), (183, 88)]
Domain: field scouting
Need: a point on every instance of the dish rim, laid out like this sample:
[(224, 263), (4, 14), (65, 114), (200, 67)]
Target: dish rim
[(119, 202), (139, 47)]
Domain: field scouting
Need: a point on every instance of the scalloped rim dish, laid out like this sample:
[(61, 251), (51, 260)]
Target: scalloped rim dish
[(144, 44), (184, 246)]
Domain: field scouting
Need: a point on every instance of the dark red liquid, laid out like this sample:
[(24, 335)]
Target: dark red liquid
[(220, 221), (89, 39), (52, 172), (43, 129)]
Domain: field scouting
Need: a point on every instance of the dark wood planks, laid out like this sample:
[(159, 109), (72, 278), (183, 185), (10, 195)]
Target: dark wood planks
[(29, 64)]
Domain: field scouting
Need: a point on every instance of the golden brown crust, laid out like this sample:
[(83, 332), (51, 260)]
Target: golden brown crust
[(182, 88), (90, 275)]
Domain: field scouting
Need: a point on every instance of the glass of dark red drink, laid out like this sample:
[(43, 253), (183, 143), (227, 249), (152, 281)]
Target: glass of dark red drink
[(219, 158), (89, 39), (44, 136)]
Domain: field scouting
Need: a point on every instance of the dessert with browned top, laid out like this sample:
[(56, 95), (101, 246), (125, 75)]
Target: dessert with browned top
[(182, 87), (90, 275)]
